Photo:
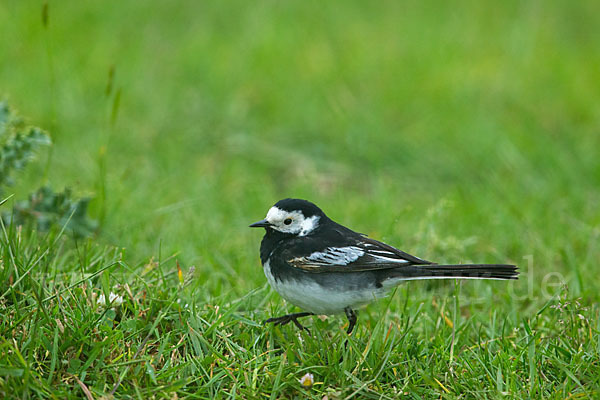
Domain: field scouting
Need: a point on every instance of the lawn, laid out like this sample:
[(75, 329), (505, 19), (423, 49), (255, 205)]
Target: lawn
[(459, 132)]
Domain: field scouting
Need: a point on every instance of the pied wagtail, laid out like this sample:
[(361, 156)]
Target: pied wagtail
[(326, 268)]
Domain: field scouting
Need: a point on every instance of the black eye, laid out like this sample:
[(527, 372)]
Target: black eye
[(287, 221)]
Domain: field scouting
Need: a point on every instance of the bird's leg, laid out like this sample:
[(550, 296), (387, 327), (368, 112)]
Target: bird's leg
[(351, 315), (290, 318)]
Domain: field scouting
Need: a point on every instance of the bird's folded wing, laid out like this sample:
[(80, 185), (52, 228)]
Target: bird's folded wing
[(365, 255)]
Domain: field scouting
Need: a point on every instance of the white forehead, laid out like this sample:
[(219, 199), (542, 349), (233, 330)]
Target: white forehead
[(277, 214)]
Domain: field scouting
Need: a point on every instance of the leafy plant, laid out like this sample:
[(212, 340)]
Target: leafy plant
[(45, 207), (18, 143)]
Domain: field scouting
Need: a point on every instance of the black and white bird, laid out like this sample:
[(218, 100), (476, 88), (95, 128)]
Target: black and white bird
[(325, 268)]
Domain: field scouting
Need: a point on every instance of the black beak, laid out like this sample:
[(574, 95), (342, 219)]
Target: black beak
[(260, 224)]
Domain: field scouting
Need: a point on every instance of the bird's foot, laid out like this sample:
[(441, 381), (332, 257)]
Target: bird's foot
[(285, 319)]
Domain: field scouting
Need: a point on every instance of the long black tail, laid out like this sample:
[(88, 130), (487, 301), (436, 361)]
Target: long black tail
[(458, 271)]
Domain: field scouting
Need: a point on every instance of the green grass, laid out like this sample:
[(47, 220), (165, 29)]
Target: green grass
[(457, 131)]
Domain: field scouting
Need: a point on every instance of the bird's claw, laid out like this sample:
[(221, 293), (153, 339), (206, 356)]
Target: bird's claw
[(283, 320)]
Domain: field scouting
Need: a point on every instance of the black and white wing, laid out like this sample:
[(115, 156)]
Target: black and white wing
[(363, 255)]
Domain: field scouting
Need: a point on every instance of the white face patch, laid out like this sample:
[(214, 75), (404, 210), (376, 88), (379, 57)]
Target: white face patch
[(309, 225), (292, 222)]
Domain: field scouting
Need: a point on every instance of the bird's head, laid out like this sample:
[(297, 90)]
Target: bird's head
[(292, 216)]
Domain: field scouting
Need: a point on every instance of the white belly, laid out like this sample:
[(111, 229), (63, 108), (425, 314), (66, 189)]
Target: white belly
[(310, 296)]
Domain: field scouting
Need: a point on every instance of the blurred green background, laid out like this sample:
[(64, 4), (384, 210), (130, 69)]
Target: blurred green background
[(457, 131)]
